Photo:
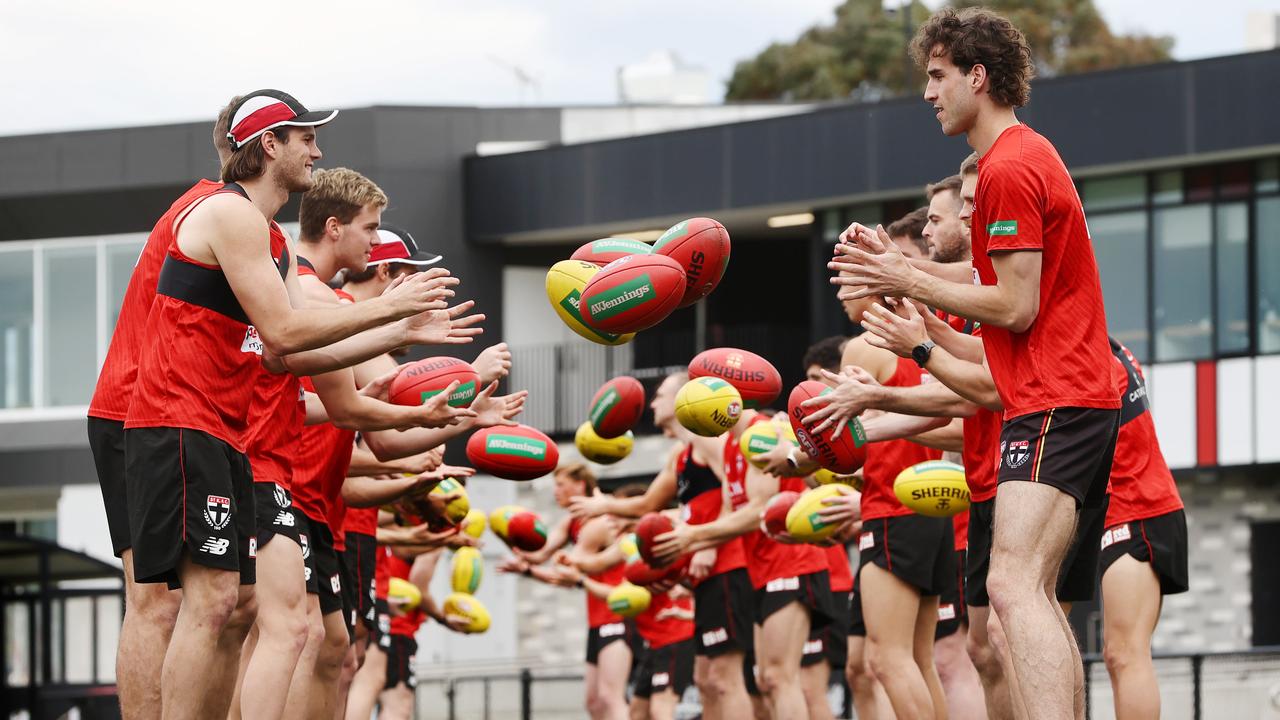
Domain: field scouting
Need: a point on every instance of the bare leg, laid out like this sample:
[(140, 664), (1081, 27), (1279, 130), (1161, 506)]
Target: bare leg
[(922, 652), (368, 683), (591, 687), (959, 678), (246, 652), (724, 685), (1131, 607), (150, 612), (662, 705), (322, 698), (1033, 528), (281, 628), (869, 699), (891, 608), (209, 599), (225, 665), (612, 669), (783, 635), (987, 662), (814, 681), (295, 707), (397, 703)]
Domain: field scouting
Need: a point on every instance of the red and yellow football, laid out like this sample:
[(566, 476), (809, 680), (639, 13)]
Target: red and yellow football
[(755, 378), (701, 246), (843, 454)]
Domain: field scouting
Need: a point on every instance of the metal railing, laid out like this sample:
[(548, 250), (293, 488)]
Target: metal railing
[(1193, 686)]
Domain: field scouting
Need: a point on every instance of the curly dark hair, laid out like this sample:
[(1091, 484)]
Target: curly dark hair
[(825, 353), (978, 36)]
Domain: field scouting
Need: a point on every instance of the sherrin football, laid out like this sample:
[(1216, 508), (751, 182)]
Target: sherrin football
[(628, 600), (516, 452), (606, 250), (762, 438), (632, 293), (701, 246), (474, 523), (708, 406), (775, 512), (419, 381), (466, 606), (756, 379), (468, 569), (499, 518), (605, 451), (650, 526), (627, 544), (935, 488), (640, 572), (616, 406), (457, 509), (403, 594), (823, 476), (844, 454), (803, 522), (526, 531), (565, 283)]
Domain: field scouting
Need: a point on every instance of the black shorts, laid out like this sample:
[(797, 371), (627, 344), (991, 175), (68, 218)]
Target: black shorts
[(641, 678), (1078, 579), (857, 624), (381, 633), (190, 491), (602, 636), (977, 559), (273, 506), (106, 441), (813, 591), (361, 559), (1068, 448), (815, 647), (670, 667), (324, 573), (722, 613), (749, 671), (836, 635), (916, 549), (1159, 540), (951, 610), (347, 591), (401, 652)]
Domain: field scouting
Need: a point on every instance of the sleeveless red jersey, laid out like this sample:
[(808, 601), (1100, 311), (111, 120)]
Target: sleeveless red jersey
[(668, 630), (770, 559), (1141, 484), (701, 498), (598, 612), (363, 521), (404, 625), (886, 459), (960, 525), (320, 467), (120, 369), (276, 417), (198, 367), (838, 564), (382, 572)]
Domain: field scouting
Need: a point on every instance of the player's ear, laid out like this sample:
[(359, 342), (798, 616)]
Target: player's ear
[(977, 77), (331, 225)]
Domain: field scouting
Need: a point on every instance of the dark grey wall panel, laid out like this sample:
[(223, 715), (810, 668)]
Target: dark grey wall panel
[(1236, 101)]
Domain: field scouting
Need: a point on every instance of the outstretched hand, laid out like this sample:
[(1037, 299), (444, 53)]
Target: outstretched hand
[(871, 264), (898, 330)]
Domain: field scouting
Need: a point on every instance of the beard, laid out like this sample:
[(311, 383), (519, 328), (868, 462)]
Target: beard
[(951, 252), (296, 180)]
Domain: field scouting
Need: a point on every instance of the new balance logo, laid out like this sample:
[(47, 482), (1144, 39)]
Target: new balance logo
[(335, 583), (284, 519), (215, 546)]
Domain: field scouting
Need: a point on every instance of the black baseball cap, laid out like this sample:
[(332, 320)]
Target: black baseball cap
[(263, 110), (398, 246)]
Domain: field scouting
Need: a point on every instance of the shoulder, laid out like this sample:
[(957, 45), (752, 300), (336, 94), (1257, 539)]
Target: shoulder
[(877, 361), (316, 291)]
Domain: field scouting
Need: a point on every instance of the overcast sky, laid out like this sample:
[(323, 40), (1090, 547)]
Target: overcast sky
[(72, 64)]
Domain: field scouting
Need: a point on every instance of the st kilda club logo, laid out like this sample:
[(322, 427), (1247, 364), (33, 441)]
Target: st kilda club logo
[(1018, 452), (217, 511)]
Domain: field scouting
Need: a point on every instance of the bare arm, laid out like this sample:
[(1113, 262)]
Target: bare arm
[(660, 493), (948, 437), (364, 492), (896, 426), (594, 563), (557, 538), (959, 272), (316, 413)]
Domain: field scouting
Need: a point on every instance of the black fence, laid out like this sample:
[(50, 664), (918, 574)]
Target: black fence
[(1195, 686)]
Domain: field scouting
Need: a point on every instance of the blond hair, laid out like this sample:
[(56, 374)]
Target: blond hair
[(970, 165), (336, 193)]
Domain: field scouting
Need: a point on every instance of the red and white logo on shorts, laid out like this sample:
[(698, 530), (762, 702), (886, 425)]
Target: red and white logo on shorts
[(1018, 452), (217, 511)]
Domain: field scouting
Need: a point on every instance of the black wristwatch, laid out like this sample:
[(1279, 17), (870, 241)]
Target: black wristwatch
[(921, 352)]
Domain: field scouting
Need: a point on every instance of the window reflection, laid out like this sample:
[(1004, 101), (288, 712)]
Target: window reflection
[(1184, 328), (17, 313), (1267, 273), (1120, 243), (70, 325), (1233, 272)]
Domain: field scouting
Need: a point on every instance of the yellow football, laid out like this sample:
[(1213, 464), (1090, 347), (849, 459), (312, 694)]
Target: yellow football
[(803, 522), (936, 488), (823, 476), (457, 509), (565, 281), (627, 544), (629, 600), (498, 519), (605, 451), (403, 594), (474, 523), (468, 568), (466, 606), (762, 438), (708, 406)]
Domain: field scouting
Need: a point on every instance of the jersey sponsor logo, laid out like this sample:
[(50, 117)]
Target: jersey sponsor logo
[(782, 584), (1119, 533), (612, 630), (284, 519), (515, 445), (866, 540), (335, 583), (1003, 227), (1018, 453), (281, 496), (714, 637), (947, 612), (217, 511), (252, 343), (215, 546), (627, 296), (253, 547)]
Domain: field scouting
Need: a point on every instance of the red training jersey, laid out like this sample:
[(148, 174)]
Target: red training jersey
[(276, 417), (120, 369), (668, 630), (363, 521), (404, 625), (382, 572), (197, 369), (1026, 200), (886, 459), (841, 572), (701, 497), (1141, 484), (960, 525), (319, 469), (598, 612)]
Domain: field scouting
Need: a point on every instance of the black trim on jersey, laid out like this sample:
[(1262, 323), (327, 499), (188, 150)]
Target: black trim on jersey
[(694, 479), (1134, 403)]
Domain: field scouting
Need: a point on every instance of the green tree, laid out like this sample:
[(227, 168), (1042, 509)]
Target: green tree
[(863, 54)]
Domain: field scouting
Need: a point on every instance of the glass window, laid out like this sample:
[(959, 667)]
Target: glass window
[(1184, 328), (831, 225), (1232, 222), (1199, 183), (865, 213), (1235, 179), (17, 313), (121, 259), (1168, 188), (1268, 275), (1120, 243), (1268, 179), (70, 326), (1115, 192)]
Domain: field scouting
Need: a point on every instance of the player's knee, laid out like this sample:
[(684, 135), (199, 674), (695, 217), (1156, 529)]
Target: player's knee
[(1120, 654), (984, 658), (774, 675), (156, 604), (883, 661), (1009, 589), (244, 615)]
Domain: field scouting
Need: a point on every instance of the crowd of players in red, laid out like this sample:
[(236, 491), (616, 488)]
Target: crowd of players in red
[(244, 398)]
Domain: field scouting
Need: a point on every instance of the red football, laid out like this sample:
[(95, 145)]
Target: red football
[(755, 378), (775, 513), (639, 572), (844, 454), (518, 452), (418, 381), (649, 527), (606, 250), (632, 293), (701, 246), (526, 531), (616, 407)]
